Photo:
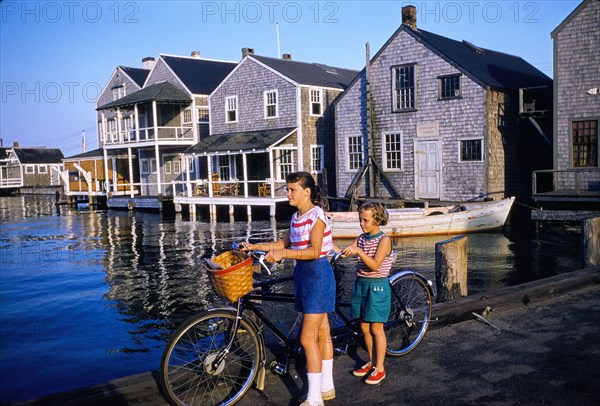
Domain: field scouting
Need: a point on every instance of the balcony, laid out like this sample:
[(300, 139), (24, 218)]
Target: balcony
[(170, 135)]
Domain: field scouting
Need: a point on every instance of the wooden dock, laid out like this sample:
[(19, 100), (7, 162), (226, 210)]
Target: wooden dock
[(143, 389)]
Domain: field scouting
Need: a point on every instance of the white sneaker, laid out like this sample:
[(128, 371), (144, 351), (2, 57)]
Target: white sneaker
[(309, 403)]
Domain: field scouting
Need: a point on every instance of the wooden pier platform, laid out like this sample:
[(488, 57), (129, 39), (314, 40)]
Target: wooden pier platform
[(564, 311)]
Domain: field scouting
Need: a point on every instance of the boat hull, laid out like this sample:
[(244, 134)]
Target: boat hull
[(464, 218)]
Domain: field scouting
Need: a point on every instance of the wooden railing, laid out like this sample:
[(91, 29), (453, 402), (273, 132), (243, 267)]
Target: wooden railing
[(565, 180), (148, 134)]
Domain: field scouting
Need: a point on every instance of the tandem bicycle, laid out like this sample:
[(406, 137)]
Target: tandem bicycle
[(215, 357)]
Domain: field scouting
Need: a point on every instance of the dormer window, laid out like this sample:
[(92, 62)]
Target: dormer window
[(449, 87)]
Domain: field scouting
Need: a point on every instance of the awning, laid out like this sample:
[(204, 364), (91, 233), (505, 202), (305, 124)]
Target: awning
[(248, 141), (163, 92)]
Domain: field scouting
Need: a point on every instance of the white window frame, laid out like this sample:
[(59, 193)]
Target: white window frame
[(119, 91), (207, 115), (112, 129), (267, 102), (168, 169), (226, 164), (150, 164), (349, 152), (177, 166), (280, 164), (42, 169), (191, 164), (187, 116), (395, 106), (320, 149), (319, 95), (384, 151), (231, 104), (30, 169), (461, 140)]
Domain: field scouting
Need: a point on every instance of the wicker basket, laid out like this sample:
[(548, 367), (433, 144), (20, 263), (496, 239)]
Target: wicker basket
[(235, 279)]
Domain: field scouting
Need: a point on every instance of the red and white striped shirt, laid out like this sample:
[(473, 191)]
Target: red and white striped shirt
[(301, 226), (369, 245)]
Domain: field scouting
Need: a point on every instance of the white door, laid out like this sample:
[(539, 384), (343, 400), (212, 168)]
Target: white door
[(428, 164)]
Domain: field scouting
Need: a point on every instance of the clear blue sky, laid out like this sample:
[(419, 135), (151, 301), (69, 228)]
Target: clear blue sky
[(55, 57)]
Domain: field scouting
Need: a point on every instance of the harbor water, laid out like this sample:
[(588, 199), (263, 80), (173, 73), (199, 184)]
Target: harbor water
[(87, 296)]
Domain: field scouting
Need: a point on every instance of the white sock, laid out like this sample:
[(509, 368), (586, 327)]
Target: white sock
[(314, 387), (327, 375)]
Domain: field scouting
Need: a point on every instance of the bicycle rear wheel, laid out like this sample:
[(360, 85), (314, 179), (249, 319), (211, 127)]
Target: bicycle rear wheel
[(410, 313), (189, 371)]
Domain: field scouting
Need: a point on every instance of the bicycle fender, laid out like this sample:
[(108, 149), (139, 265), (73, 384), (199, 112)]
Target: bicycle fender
[(414, 273)]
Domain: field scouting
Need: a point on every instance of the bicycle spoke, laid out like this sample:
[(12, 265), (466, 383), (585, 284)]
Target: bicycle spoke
[(411, 309), (192, 372)]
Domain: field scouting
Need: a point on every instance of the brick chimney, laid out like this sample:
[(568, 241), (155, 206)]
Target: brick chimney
[(148, 62), (409, 16), (286, 57), (196, 54), (247, 51)]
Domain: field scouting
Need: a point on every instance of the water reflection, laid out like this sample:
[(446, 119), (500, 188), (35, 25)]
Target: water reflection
[(96, 294)]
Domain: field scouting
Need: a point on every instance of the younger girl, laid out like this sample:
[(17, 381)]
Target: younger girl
[(308, 241), (371, 297)]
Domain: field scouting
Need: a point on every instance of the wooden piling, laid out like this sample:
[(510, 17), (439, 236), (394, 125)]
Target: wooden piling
[(451, 268), (591, 242)]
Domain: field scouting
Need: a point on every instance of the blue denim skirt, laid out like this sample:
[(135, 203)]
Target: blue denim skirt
[(314, 287)]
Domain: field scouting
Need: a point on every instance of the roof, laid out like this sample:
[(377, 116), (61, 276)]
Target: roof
[(94, 153), (491, 68), (161, 92), (484, 66), (313, 74), (248, 140), (200, 76), (138, 75), (97, 153), (40, 155)]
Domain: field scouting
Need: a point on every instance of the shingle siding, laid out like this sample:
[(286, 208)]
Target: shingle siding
[(456, 119), (577, 69), (248, 84), (162, 73)]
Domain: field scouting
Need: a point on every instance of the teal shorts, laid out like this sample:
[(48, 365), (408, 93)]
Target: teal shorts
[(371, 299)]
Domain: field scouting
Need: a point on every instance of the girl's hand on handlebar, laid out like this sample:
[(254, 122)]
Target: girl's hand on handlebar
[(350, 250), (244, 246), (274, 256)]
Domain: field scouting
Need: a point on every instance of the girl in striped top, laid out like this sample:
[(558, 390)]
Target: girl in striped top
[(371, 296), (308, 241)]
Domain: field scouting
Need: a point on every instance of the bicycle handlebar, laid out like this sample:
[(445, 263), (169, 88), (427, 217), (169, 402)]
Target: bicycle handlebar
[(258, 254)]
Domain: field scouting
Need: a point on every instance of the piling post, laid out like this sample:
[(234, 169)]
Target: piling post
[(451, 268), (591, 242)]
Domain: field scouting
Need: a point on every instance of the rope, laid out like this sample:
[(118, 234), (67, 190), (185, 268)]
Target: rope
[(529, 207)]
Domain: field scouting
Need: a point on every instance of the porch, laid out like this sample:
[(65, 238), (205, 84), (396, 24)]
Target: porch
[(231, 193)]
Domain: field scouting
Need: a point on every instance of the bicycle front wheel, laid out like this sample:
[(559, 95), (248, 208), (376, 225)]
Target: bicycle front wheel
[(196, 370), (410, 313)]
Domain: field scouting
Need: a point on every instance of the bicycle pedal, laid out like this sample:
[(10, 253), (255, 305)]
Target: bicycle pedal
[(340, 350)]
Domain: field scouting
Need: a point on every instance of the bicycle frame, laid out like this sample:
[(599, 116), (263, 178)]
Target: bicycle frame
[(349, 332), (204, 373)]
